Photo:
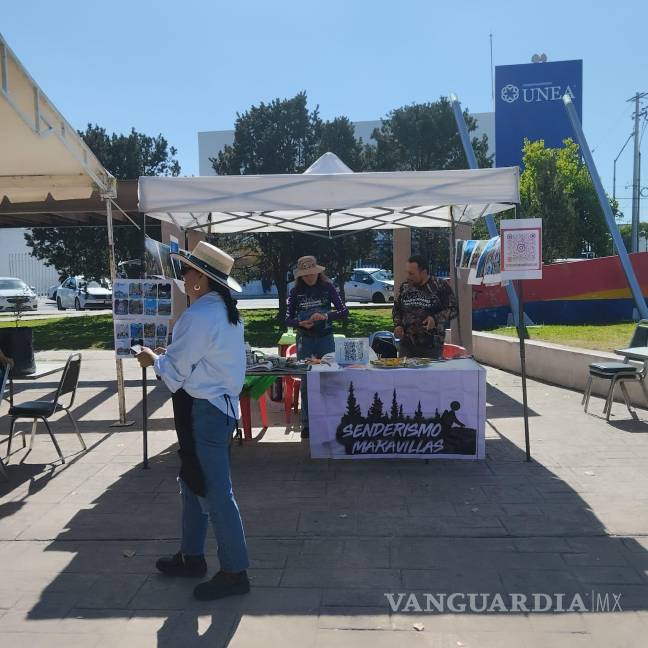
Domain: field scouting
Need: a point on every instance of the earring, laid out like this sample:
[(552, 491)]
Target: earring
[(196, 287)]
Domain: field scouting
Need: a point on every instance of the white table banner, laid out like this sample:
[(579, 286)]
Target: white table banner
[(432, 413)]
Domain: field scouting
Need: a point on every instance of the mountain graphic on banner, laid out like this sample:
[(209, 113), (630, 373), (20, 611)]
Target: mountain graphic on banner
[(390, 431)]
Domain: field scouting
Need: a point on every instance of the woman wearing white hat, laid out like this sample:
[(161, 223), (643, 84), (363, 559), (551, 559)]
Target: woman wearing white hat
[(313, 304), (204, 367)]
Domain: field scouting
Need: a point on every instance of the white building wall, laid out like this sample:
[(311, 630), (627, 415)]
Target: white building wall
[(16, 260)]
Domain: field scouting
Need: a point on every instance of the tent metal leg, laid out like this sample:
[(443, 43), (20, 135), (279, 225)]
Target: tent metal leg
[(121, 391)]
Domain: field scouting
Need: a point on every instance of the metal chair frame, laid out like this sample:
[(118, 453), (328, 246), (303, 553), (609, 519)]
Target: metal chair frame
[(63, 389), (634, 374)]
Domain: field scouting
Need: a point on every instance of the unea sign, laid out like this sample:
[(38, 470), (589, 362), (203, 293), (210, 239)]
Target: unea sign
[(529, 104)]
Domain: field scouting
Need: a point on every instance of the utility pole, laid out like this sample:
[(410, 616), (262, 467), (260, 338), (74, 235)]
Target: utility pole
[(636, 170)]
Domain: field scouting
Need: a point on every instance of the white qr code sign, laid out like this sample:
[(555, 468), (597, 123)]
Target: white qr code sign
[(521, 251), (350, 351)]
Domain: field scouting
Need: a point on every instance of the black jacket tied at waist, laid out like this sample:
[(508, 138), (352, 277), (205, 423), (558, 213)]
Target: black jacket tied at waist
[(190, 470)]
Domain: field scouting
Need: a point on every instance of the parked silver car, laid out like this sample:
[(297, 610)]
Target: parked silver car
[(370, 285), (14, 290), (51, 292), (77, 293)]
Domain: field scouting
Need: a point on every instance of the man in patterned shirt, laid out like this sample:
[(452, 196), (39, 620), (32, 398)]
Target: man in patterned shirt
[(422, 309)]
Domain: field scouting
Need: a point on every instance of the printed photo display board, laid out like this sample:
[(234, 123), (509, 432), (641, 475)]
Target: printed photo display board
[(142, 310), (431, 413)]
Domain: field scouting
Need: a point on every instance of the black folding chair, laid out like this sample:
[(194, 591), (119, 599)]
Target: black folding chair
[(619, 373), (43, 410)]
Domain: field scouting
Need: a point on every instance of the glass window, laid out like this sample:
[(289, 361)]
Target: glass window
[(12, 284), (382, 275)]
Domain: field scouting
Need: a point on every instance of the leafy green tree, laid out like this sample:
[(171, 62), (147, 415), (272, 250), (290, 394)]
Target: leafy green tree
[(424, 137), (285, 136), (626, 233), (84, 250), (555, 186)]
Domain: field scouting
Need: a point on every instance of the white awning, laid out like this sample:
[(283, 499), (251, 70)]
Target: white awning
[(328, 198), (40, 153)]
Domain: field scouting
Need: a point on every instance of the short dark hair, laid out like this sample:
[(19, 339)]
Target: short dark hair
[(420, 261)]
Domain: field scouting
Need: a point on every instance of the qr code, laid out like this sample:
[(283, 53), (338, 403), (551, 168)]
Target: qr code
[(353, 351)]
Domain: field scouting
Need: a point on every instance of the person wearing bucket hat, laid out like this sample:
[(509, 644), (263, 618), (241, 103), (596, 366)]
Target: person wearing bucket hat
[(313, 304), (204, 368)]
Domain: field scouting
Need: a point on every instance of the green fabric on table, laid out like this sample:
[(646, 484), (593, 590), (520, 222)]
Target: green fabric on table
[(256, 386), (287, 339)]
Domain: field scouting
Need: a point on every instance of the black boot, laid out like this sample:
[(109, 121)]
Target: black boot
[(182, 565), (222, 585), (305, 433)]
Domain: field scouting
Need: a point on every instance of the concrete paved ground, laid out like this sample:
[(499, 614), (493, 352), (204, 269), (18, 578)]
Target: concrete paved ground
[(328, 539)]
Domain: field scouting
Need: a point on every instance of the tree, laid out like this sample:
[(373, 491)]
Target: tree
[(555, 186), (84, 250), (284, 136), (626, 233), (424, 137)]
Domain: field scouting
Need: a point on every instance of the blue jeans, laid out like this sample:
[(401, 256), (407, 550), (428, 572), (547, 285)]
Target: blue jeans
[(307, 347), (212, 431)]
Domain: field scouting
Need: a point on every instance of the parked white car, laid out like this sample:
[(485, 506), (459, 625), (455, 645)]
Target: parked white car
[(370, 285), (77, 293), (13, 290)]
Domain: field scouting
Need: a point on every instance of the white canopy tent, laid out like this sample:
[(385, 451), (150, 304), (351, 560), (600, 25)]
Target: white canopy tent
[(42, 156), (328, 198), (41, 153)]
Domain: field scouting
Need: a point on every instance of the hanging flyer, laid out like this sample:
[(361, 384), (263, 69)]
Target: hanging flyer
[(521, 248)]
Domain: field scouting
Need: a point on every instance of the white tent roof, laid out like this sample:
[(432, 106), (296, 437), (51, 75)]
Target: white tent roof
[(40, 153), (328, 197)]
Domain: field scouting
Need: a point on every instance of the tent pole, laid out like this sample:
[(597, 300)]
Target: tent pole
[(455, 274), (121, 395), (490, 221)]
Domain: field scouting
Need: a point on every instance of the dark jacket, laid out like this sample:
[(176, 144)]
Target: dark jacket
[(304, 300), (414, 303)]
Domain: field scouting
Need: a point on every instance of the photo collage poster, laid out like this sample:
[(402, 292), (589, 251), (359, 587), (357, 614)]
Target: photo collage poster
[(481, 258), (142, 309)]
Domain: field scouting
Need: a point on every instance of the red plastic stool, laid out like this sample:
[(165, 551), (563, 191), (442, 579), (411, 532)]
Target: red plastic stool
[(246, 414)]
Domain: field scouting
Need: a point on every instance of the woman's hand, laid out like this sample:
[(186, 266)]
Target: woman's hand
[(146, 357), (307, 324), (318, 317)]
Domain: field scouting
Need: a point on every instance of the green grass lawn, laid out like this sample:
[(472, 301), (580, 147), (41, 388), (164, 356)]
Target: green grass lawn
[(261, 329), (600, 337)]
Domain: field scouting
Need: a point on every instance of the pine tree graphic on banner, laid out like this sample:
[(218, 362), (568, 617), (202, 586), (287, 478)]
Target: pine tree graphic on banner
[(418, 415), (353, 411), (394, 409), (375, 413)]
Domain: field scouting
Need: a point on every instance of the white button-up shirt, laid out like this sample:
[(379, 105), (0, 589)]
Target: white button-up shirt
[(207, 355)]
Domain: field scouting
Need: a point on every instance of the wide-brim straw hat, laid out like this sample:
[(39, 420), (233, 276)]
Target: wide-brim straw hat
[(211, 261), (308, 265)]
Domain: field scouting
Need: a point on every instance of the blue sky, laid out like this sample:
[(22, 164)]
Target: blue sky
[(177, 68)]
